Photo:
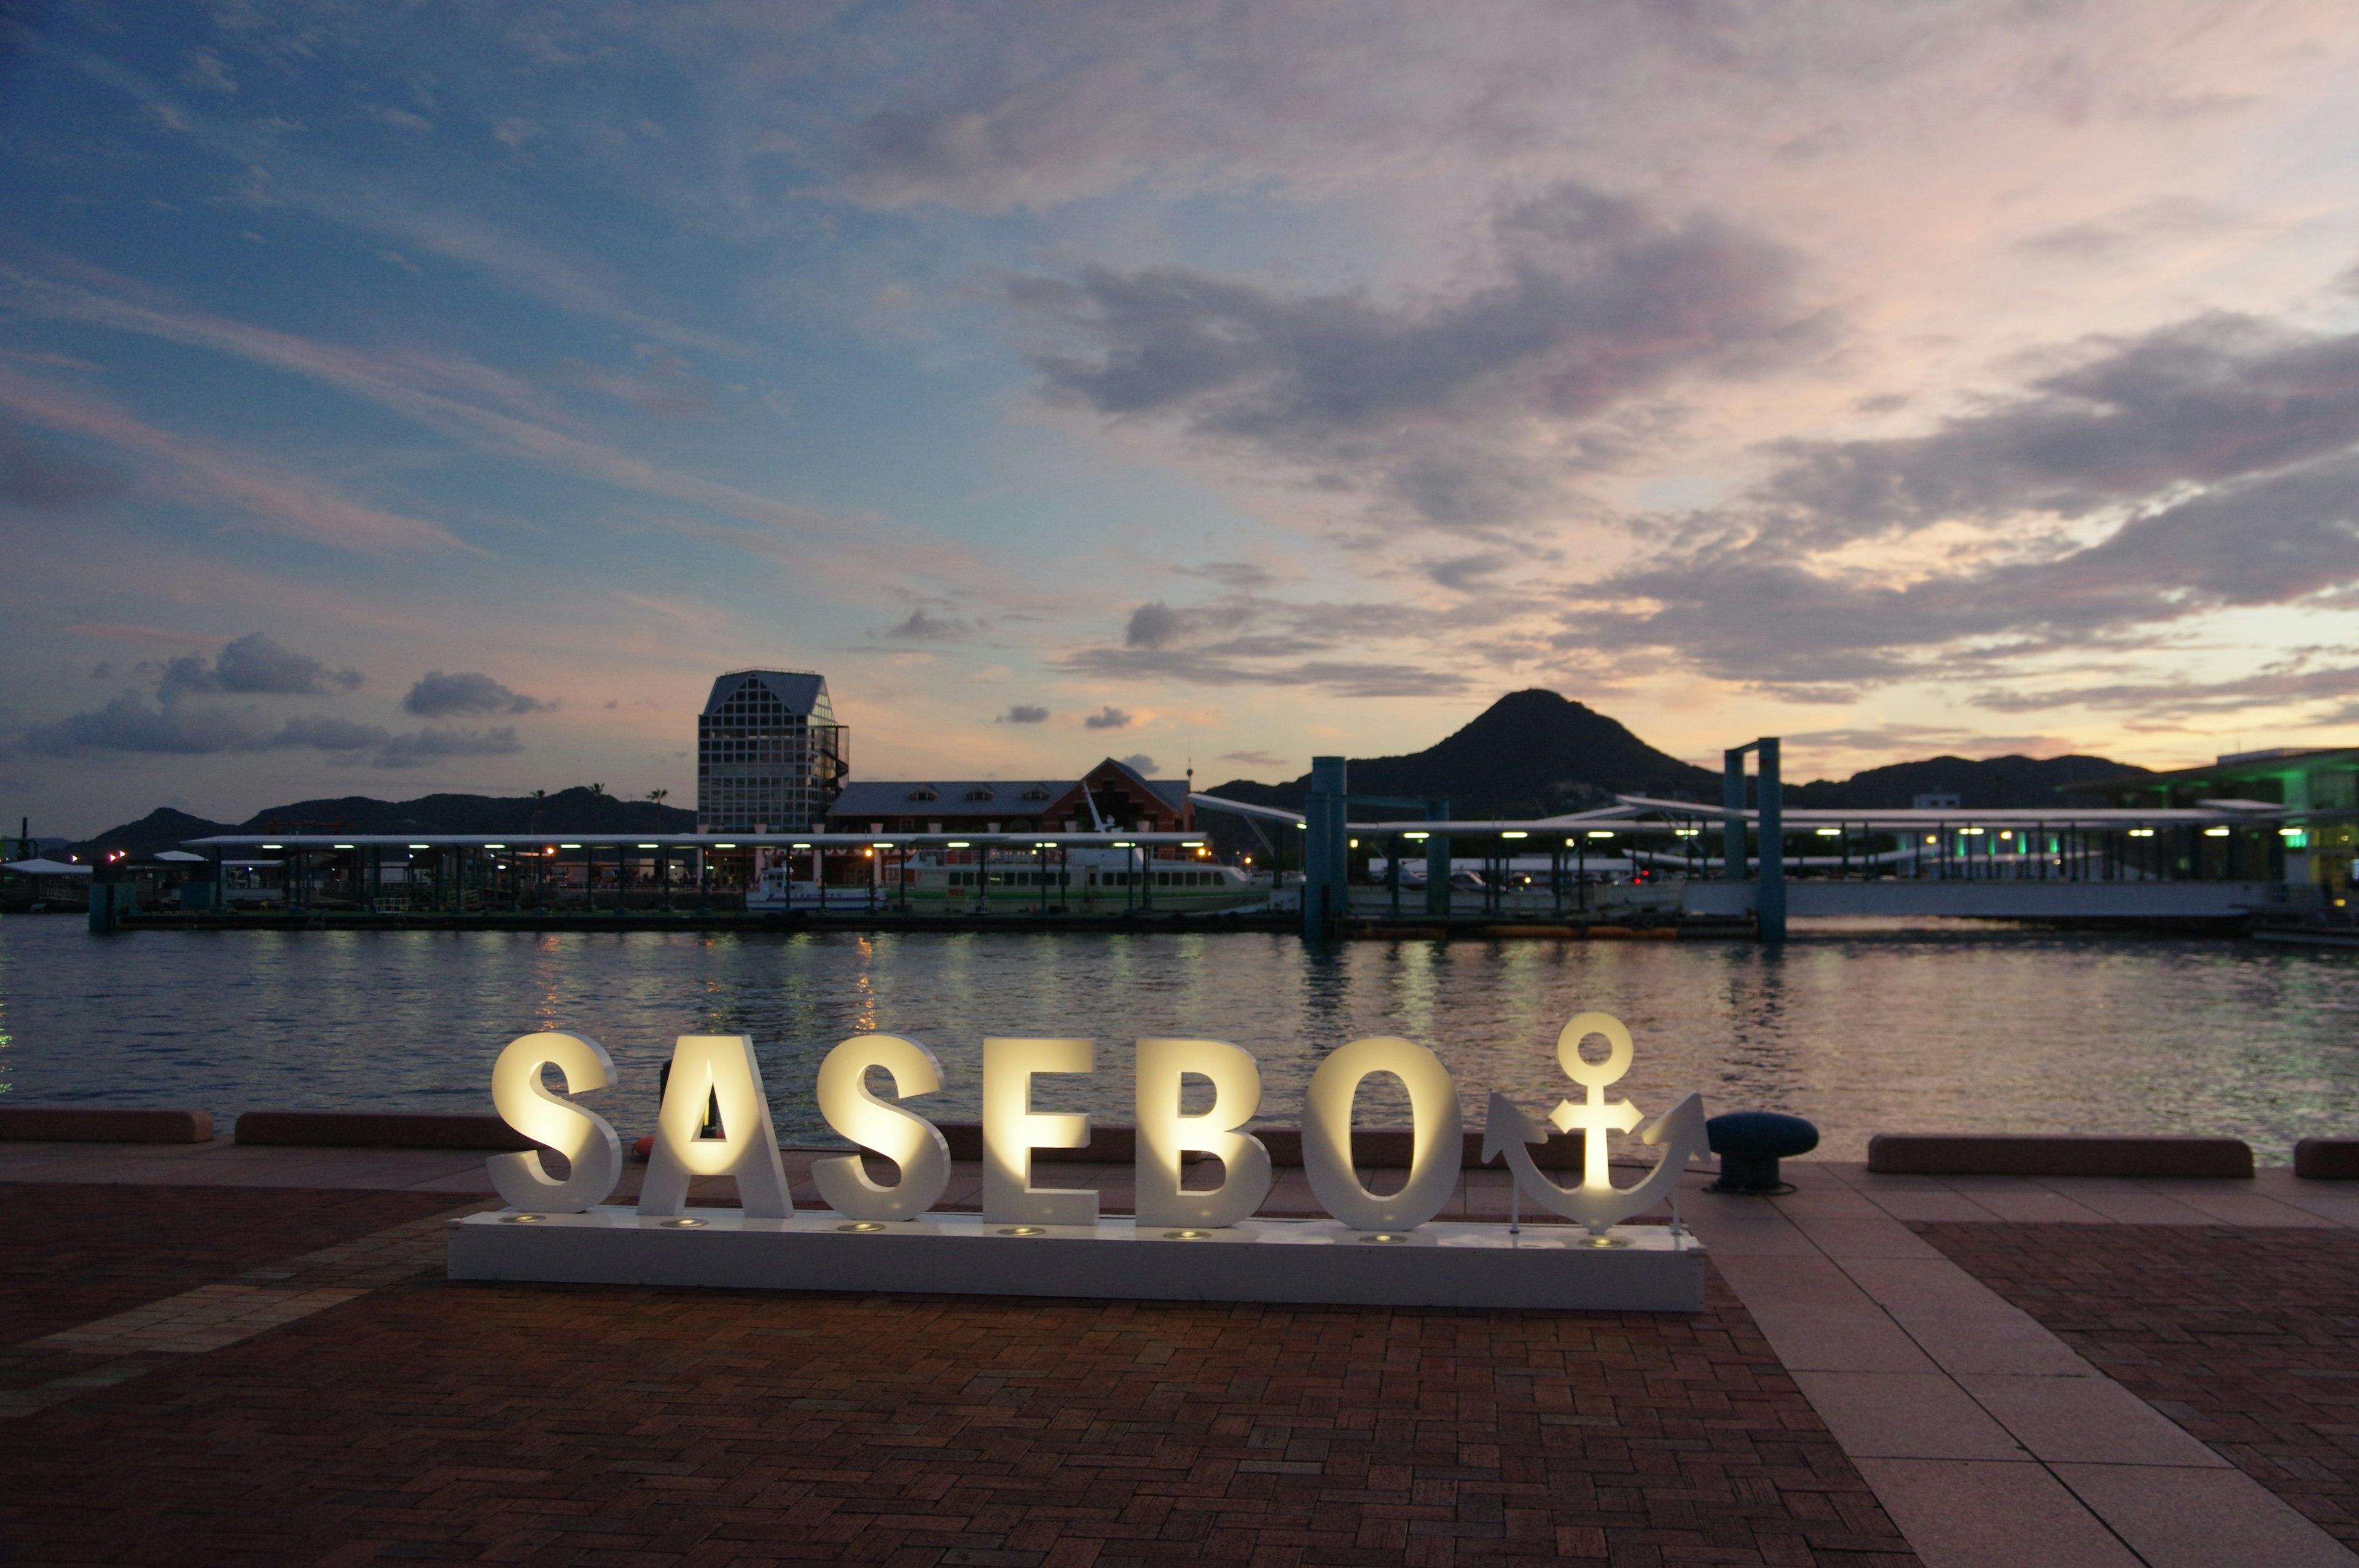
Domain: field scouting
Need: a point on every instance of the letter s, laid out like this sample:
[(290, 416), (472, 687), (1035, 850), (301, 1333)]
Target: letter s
[(581, 1135)]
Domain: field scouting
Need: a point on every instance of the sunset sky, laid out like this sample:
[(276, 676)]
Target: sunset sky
[(410, 397)]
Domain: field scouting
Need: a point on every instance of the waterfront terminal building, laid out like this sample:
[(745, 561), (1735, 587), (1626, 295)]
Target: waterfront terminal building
[(2315, 825), (770, 757), (1111, 797)]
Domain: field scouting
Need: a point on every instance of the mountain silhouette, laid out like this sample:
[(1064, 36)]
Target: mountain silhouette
[(575, 810), (1531, 753), (1538, 754)]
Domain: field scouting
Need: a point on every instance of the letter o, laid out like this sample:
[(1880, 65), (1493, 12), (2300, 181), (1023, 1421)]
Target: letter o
[(1436, 1140)]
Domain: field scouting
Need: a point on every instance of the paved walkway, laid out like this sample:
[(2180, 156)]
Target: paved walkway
[(1855, 1373), (1988, 1438)]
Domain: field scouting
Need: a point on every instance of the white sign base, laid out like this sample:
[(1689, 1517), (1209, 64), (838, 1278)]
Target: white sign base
[(1650, 1269)]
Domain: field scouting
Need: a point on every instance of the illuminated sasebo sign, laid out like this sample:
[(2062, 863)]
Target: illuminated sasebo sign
[(1380, 1249)]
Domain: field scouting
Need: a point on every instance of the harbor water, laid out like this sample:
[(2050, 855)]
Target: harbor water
[(1863, 1028)]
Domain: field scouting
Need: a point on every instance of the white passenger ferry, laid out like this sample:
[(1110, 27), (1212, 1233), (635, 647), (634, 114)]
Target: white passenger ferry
[(1077, 881)]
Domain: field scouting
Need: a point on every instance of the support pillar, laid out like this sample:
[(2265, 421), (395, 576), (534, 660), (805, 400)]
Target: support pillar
[(1770, 902), (1326, 852), (1769, 887)]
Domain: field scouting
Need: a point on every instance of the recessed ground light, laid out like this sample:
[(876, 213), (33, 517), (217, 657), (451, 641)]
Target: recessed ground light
[(1024, 1230)]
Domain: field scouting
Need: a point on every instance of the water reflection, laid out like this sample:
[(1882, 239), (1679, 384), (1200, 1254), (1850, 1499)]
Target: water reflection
[(1862, 1032)]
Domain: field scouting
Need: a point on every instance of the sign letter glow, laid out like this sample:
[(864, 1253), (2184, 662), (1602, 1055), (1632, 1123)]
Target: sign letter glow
[(904, 1137), (1434, 1137), (580, 1135), (1164, 1134), (706, 1067), (1011, 1130), (1597, 1202)]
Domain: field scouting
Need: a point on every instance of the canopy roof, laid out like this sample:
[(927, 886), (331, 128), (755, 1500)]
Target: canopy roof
[(521, 842)]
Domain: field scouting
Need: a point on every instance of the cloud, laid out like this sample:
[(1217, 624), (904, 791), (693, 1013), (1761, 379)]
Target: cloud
[(2290, 683), (438, 696), (2212, 464), (1466, 572), (132, 723), (453, 398), (2202, 402), (253, 664), (1151, 626), (1918, 740), (1339, 677), (1592, 301), (37, 477), (1108, 717), (1023, 713), (259, 494), (1140, 762), (2141, 225), (923, 626), (1252, 759), (433, 744)]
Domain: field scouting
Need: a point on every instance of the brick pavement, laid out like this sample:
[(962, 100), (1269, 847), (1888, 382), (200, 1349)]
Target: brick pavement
[(72, 1253), (2247, 1338), (612, 1427)]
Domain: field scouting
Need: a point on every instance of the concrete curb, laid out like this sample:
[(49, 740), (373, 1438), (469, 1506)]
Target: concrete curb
[(104, 1124), (377, 1129), (1996, 1154)]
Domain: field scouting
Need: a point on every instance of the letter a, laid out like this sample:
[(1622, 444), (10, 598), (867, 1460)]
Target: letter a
[(705, 1069)]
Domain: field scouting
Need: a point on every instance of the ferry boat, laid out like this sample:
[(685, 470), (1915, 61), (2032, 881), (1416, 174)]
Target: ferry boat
[(1086, 881)]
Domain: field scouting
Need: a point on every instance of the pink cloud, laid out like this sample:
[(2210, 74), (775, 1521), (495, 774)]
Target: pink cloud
[(266, 498)]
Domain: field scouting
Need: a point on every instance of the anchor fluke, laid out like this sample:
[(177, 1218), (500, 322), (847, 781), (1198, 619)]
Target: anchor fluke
[(1505, 1121)]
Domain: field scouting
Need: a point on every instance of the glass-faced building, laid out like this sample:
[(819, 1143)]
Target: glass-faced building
[(770, 757)]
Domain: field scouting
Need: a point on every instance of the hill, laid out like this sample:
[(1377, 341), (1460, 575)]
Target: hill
[(1536, 754), (1531, 753), (575, 810), (1979, 785)]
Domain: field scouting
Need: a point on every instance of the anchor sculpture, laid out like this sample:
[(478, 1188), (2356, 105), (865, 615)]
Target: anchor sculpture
[(1597, 1202)]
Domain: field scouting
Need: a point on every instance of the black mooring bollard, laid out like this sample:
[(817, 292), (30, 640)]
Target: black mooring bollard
[(1750, 1143)]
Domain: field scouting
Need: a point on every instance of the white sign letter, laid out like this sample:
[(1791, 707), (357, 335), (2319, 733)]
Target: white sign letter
[(1011, 1131), (705, 1069), (579, 1134), (1436, 1143), (1164, 1133), (904, 1137)]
